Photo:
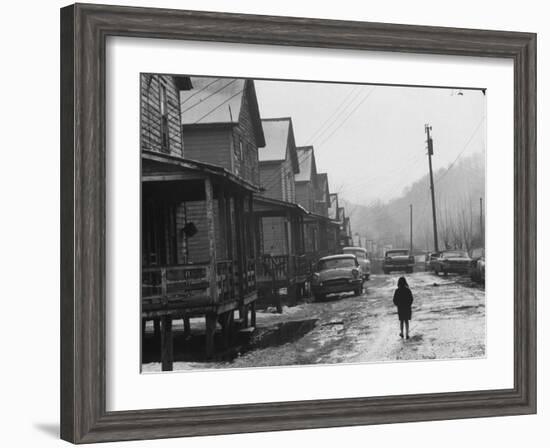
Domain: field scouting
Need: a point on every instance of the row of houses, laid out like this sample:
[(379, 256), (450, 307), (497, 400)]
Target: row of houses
[(233, 211)]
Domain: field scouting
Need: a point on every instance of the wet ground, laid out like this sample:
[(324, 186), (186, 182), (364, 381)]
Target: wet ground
[(448, 322)]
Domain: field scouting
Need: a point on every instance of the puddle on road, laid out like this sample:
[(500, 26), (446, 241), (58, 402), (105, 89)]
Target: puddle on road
[(279, 334), (191, 349)]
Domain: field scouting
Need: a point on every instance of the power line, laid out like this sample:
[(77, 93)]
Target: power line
[(200, 90), (219, 105), (332, 115), (463, 149), (273, 177), (348, 116), (208, 96)]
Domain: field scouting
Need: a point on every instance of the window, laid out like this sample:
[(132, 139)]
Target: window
[(164, 130)]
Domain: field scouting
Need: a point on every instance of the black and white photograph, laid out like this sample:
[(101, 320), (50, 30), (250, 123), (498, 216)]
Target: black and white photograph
[(293, 223)]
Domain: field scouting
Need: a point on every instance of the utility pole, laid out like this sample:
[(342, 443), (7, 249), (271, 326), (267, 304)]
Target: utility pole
[(428, 128), (481, 233), (411, 226)]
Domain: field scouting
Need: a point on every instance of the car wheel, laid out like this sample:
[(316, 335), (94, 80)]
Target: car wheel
[(367, 277), (318, 297), (357, 291)]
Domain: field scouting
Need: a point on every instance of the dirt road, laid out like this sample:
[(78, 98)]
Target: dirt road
[(448, 322)]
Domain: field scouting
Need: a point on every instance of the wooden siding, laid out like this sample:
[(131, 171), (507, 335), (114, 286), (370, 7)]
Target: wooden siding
[(288, 185), (229, 145), (197, 245), (305, 195), (150, 90), (278, 180), (274, 236), (270, 179), (312, 237), (208, 144), (245, 164)]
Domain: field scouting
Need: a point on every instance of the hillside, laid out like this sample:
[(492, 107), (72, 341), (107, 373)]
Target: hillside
[(458, 189)]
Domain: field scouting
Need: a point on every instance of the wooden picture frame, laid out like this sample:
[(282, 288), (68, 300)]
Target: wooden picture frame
[(84, 29)]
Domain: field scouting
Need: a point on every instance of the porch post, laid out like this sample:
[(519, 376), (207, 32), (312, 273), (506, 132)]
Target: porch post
[(303, 234), (211, 239), (239, 240)]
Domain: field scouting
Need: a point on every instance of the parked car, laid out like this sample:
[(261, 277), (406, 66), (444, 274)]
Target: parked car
[(398, 260), (362, 257), (336, 274), (452, 261), (477, 265), (431, 257)]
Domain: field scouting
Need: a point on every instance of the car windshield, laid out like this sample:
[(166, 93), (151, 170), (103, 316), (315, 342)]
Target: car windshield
[(397, 253), (358, 253), (334, 263), (455, 254)]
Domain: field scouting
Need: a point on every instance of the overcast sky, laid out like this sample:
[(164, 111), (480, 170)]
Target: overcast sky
[(371, 139)]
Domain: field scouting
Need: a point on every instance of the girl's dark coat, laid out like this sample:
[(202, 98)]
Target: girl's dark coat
[(403, 299)]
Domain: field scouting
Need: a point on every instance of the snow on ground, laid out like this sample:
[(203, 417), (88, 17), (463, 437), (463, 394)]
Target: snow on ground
[(448, 322)]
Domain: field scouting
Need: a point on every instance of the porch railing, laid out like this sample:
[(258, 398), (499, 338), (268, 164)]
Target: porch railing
[(171, 284), (165, 284), (226, 280), (273, 267)]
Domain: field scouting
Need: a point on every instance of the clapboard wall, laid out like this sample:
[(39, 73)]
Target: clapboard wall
[(151, 139)]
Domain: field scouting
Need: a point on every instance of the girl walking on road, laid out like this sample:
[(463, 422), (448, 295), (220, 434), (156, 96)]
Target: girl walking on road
[(403, 299)]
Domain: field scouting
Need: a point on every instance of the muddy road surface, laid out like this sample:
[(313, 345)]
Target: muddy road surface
[(448, 322)]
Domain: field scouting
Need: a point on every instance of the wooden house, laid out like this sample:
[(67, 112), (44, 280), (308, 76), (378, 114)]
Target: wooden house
[(160, 129), (221, 125), (306, 195), (346, 238), (328, 228), (322, 200), (280, 219), (339, 234), (198, 226), (333, 206)]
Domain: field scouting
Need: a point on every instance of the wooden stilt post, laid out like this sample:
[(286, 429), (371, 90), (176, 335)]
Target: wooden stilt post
[(226, 321), (253, 314), (243, 315), (166, 344), (210, 331), (156, 328), (186, 327)]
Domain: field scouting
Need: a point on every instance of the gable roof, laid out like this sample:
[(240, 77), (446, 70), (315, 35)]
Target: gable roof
[(322, 184), (219, 101), (306, 158), (279, 141)]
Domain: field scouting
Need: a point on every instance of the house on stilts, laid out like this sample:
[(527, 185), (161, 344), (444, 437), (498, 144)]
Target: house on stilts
[(280, 220), (199, 175)]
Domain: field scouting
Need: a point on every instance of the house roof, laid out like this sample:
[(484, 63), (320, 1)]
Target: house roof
[(276, 140), (306, 159), (322, 183), (219, 101), (279, 140)]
